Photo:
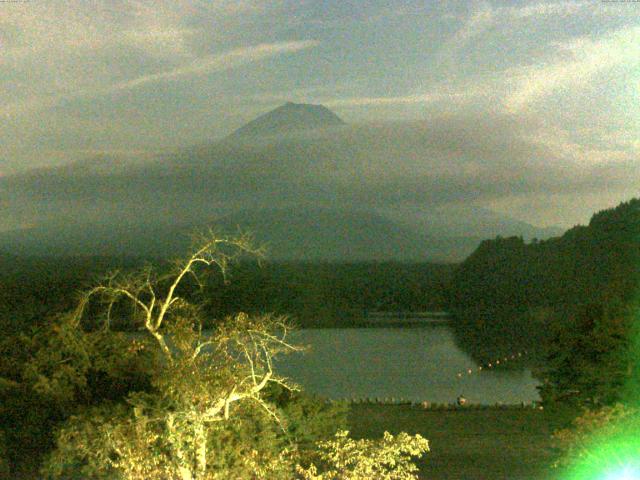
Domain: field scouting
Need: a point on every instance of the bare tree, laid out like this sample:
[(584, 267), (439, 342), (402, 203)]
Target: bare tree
[(197, 376), (204, 388)]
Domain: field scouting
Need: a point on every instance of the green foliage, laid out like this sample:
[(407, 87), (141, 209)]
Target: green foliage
[(330, 294), (26, 423), (390, 458), (316, 294), (188, 425), (4, 457), (35, 289), (248, 442), (310, 419), (587, 362), (192, 404), (144, 438)]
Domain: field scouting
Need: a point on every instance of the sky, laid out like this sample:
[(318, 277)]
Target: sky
[(535, 105)]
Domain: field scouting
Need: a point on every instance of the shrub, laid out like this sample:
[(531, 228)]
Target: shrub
[(344, 458)]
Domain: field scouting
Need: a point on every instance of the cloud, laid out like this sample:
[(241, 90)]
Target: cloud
[(545, 9), (78, 25), (579, 61), (227, 60), (485, 16), (54, 51), (548, 49), (397, 100), (473, 25), (79, 78)]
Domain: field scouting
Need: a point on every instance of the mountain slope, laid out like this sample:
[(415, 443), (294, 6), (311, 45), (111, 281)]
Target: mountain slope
[(343, 235), (467, 220)]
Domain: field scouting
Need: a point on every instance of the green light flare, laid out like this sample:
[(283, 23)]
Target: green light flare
[(625, 473), (611, 460), (613, 452)]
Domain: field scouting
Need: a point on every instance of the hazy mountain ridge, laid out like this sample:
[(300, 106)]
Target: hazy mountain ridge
[(344, 235), (469, 221)]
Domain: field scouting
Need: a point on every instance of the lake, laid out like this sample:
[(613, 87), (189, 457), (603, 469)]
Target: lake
[(415, 364)]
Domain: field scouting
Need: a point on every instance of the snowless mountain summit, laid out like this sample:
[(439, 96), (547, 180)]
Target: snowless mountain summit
[(289, 117)]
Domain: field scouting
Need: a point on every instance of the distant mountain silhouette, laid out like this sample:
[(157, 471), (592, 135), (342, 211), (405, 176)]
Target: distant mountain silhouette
[(289, 117), (467, 221), (97, 239)]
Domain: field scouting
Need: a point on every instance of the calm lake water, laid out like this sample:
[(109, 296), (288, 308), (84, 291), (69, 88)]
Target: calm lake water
[(416, 364)]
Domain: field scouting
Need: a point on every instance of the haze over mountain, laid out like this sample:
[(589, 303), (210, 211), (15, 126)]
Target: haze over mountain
[(298, 234), (467, 221), (300, 178)]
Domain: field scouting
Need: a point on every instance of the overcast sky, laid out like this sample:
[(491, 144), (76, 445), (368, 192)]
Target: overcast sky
[(136, 78)]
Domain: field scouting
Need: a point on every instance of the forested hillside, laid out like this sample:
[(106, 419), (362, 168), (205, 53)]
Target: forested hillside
[(580, 287), (315, 294), (331, 294)]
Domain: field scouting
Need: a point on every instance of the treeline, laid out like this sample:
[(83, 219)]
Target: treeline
[(569, 300), (314, 294), (331, 294), (34, 289)]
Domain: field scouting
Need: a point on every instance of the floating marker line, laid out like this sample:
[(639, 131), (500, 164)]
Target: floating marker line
[(492, 364)]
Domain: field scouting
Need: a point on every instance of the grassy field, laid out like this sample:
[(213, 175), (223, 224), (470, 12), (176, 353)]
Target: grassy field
[(469, 444), (466, 444)]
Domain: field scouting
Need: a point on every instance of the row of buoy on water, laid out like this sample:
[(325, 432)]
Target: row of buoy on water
[(492, 364)]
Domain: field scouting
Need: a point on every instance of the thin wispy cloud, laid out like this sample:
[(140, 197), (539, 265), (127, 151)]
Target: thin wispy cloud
[(485, 16), (474, 25), (544, 9), (586, 58), (201, 66), (54, 51), (227, 60), (398, 100)]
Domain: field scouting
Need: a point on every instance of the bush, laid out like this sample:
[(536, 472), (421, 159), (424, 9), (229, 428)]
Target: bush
[(390, 458)]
